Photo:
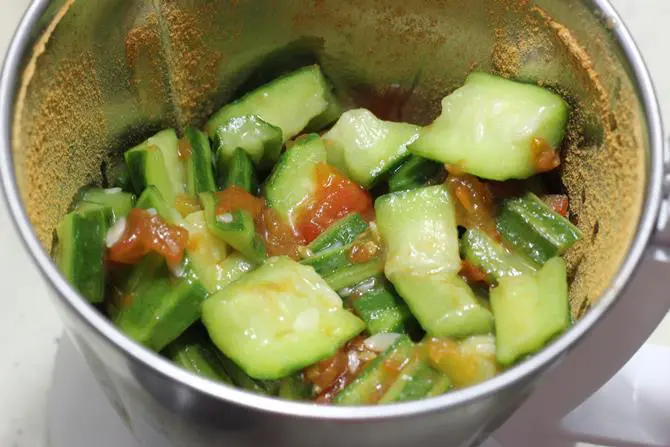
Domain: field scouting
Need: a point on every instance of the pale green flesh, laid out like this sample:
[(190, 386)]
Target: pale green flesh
[(293, 180), (419, 228), (530, 310), (288, 103), (364, 147), (167, 142), (444, 304), (487, 127), (206, 251), (232, 268), (260, 140), (278, 319)]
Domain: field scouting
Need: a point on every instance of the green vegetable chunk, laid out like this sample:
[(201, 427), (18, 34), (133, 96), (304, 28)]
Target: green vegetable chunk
[(487, 127), (119, 202), (530, 310), (152, 199), (419, 227), (238, 170), (536, 230), (366, 148), (383, 310), (261, 141), (444, 304), (195, 353), (289, 103), (198, 160), (492, 257), (206, 251), (422, 261), (81, 250), (378, 376), (416, 172), (417, 380), (278, 319), (235, 228), (293, 179), (354, 274), (156, 162), (161, 311), (295, 387), (341, 233)]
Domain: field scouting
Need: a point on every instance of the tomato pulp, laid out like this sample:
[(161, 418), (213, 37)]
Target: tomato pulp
[(147, 233), (336, 196)]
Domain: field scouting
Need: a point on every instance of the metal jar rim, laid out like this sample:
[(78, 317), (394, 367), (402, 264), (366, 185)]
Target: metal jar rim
[(11, 73)]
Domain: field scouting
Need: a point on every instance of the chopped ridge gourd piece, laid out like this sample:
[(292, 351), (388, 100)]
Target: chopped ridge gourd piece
[(535, 229), (119, 202), (156, 162), (196, 153), (289, 102), (366, 148), (81, 250), (418, 379), (278, 319), (419, 227), (530, 310), (444, 304), (237, 170), (161, 310), (341, 233), (492, 257), (236, 228), (195, 353), (261, 141), (293, 179), (206, 251), (491, 127), (383, 310), (378, 376), (414, 173), (152, 199), (232, 269)]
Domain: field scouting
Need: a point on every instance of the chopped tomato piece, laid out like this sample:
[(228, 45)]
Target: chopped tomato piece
[(336, 196), (333, 374), (325, 373), (278, 235), (545, 158), (145, 233), (559, 203), (235, 198), (475, 206), (472, 273), (186, 204)]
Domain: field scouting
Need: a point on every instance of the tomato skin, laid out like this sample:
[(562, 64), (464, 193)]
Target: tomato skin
[(278, 235), (472, 273), (333, 374), (475, 205), (336, 196), (545, 158), (559, 203), (235, 198), (146, 233)]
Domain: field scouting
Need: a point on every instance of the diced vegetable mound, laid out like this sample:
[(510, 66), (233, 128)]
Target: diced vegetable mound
[(369, 264)]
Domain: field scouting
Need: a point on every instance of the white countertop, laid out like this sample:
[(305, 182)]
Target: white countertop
[(29, 326)]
